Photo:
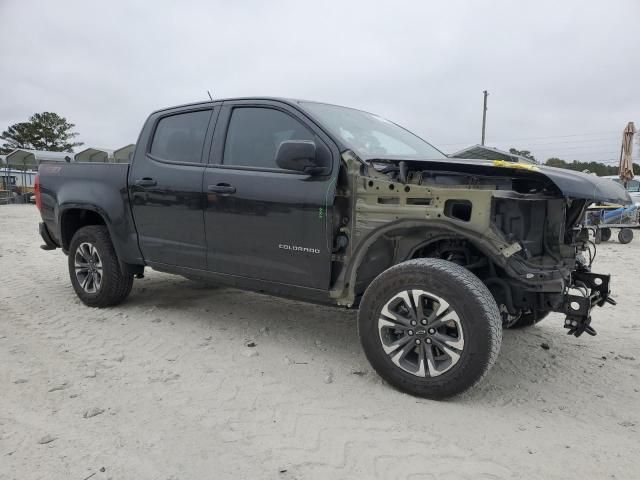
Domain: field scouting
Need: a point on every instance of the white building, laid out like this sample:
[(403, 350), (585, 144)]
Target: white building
[(106, 155), (19, 168), (489, 153), (10, 177)]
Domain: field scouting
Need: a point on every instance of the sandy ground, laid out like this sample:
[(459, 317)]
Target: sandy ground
[(164, 387)]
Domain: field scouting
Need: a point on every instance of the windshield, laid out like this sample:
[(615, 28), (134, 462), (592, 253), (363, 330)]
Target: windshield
[(371, 136)]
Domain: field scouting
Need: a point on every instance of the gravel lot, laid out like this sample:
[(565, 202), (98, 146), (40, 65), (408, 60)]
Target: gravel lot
[(165, 386)]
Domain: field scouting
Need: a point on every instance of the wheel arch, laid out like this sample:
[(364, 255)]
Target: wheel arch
[(73, 217), (407, 237)]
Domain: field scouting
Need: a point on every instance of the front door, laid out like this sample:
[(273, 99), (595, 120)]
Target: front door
[(263, 222), (165, 185)]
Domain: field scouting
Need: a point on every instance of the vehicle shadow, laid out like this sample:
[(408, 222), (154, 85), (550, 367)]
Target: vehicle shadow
[(525, 368)]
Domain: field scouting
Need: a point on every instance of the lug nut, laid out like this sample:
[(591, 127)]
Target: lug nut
[(413, 322), (418, 341), (410, 332), (432, 331), (423, 321), (428, 340)]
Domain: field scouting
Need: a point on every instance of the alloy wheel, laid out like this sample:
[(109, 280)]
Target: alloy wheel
[(88, 267), (421, 333)]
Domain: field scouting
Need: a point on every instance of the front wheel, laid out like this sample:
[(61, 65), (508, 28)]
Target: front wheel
[(94, 268), (430, 328)]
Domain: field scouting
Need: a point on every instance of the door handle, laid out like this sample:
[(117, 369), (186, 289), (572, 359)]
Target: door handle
[(223, 188), (146, 182)]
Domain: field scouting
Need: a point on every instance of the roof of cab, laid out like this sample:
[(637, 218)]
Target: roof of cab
[(290, 101)]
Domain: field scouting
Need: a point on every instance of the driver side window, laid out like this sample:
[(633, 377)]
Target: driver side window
[(255, 133)]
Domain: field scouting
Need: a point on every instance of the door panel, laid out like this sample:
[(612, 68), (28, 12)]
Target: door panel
[(165, 186), (169, 214), (263, 222), (272, 228)]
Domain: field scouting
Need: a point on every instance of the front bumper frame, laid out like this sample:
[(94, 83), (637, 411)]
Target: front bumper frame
[(578, 307)]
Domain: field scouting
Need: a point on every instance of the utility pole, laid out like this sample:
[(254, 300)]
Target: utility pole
[(484, 114)]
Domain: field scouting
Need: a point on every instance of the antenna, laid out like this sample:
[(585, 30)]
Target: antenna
[(210, 97)]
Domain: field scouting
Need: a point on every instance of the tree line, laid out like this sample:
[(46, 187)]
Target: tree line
[(43, 131), (598, 168)]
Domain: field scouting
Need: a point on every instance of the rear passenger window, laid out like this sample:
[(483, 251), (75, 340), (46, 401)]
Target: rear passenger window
[(180, 138), (255, 134)]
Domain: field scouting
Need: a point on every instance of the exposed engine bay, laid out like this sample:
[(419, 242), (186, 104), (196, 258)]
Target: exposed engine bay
[(511, 225)]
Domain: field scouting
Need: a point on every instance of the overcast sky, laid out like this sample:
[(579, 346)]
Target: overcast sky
[(563, 76)]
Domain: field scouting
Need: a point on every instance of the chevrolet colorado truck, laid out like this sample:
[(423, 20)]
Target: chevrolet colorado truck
[(333, 205)]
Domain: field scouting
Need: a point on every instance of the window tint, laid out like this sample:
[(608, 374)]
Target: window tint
[(180, 138), (255, 134)]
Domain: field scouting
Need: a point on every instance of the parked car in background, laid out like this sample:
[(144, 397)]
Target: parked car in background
[(633, 187)]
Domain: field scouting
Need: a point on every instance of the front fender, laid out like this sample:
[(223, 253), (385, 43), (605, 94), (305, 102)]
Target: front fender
[(344, 287)]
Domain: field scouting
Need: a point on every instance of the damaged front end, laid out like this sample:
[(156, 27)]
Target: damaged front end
[(556, 257), (577, 308), (518, 228)]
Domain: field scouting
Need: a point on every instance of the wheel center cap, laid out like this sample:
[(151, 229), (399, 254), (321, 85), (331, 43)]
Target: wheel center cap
[(421, 331)]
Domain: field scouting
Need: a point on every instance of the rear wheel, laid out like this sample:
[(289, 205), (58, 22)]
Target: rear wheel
[(625, 235), (605, 234), (94, 268), (430, 328)]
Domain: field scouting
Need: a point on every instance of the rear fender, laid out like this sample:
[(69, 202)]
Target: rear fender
[(123, 235)]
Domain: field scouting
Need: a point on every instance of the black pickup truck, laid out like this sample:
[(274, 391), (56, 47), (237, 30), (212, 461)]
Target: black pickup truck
[(333, 205)]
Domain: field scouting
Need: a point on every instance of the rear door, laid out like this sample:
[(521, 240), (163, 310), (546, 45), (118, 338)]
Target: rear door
[(263, 222), (165, 185)]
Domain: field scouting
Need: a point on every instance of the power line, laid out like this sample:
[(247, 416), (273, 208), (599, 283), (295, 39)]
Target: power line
[(538, 138), (585, 140), (572, 135), (577, 147)]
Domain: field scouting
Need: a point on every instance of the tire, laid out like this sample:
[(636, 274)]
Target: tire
[(625, 235), (605, 234), (452, 300), (528, 320), (90, 253)]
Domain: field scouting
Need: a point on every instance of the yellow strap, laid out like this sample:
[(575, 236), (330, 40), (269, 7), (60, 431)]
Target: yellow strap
[(522, 166)]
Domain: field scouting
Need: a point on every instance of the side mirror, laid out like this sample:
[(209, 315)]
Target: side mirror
[(299, 155)]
